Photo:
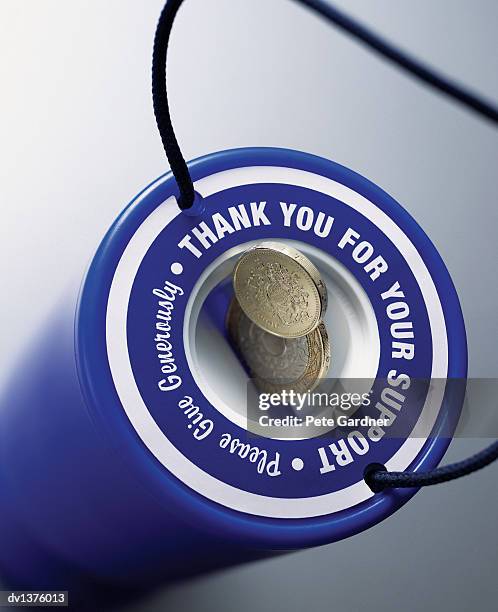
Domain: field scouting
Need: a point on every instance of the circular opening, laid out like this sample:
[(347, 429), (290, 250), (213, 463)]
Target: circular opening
[(349, 319)]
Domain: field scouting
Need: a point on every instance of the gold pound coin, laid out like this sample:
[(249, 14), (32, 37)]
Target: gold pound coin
[(280, 290), (277, 363)]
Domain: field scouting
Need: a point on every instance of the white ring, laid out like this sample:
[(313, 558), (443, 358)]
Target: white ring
[(361, 363), (136, 410)]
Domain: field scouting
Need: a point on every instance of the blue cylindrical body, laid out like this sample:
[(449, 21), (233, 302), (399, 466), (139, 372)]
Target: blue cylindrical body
[(83, 499), (70, 504)]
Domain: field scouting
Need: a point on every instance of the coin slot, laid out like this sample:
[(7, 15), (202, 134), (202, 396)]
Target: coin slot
[(219, 374)]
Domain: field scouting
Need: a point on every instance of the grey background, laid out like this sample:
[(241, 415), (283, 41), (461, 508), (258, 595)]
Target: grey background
[(78, 140)]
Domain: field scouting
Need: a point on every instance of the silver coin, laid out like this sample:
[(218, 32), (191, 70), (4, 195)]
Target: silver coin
[(276, 363), (280, 290)]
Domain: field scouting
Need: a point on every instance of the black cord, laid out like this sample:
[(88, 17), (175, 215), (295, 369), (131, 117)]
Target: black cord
[(161, 104), (378, 478), (372, 40), (376, 475)]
